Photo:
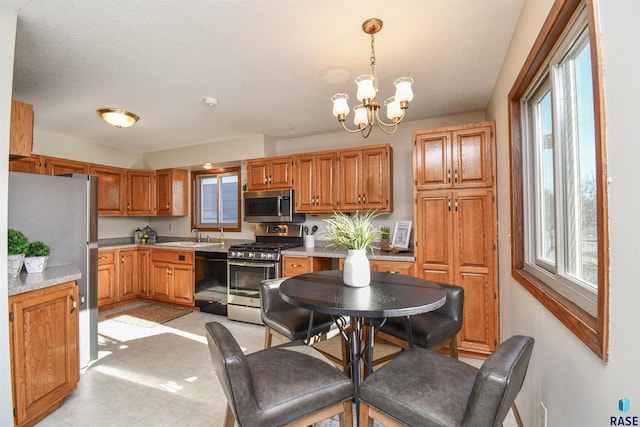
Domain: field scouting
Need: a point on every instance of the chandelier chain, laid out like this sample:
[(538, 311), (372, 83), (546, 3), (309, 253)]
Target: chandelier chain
[(372, 58)]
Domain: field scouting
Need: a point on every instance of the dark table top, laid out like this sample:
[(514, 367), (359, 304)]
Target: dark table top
[(388, 295)]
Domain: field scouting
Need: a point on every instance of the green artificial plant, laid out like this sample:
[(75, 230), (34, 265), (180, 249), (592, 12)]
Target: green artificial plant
[(353, 231), (17, 242), (38, 248)]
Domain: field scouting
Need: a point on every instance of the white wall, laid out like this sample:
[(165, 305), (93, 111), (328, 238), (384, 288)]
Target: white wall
[(67, 146), (7, 46), (577, 388)]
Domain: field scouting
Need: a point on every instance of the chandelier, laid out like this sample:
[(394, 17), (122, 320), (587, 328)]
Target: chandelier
[(367, 113)]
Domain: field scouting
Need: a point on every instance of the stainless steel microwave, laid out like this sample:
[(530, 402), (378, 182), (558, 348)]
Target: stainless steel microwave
[(271, 206)]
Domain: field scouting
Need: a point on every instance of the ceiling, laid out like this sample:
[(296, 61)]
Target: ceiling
[(274, 65)]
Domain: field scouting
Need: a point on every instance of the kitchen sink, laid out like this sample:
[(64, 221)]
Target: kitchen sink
[(186, 244)]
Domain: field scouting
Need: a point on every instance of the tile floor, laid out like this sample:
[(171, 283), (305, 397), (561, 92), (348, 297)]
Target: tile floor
[(155, 376)]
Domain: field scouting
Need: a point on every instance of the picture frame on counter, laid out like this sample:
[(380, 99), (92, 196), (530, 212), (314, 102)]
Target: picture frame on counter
[(401, 234)]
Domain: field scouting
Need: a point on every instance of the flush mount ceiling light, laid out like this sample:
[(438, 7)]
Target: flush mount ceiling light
[(367, 113), (117, 117)]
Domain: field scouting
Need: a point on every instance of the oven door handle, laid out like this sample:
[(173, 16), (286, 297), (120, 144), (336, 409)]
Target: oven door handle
[(252, 264)]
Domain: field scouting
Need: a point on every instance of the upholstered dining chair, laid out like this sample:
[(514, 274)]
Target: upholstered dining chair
[(290, 384), (285, 321), (431, 330), (422, 388)]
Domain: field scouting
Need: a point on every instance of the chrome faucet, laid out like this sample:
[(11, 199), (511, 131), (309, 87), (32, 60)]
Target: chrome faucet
[(195, 230)]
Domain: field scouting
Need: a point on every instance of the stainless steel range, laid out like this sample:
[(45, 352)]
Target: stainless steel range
[(251, 263)]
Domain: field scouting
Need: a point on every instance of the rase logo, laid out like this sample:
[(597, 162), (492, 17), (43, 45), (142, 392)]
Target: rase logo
[(624, 406)]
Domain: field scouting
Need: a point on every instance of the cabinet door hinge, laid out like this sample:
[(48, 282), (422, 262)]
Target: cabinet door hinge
[(11, 316), (15, 412), (494, 246)]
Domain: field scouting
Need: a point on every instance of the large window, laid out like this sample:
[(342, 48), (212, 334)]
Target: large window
[(558, 178), (216, 195)]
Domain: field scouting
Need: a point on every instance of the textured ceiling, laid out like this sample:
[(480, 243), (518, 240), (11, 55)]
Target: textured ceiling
[(274, 65)]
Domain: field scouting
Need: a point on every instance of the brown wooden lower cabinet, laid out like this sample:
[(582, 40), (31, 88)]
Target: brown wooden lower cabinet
[(398, 267), (456, 243), (159, 274), (128, 274), (172, 276), (107, 277), (293, 265), (44, 350)]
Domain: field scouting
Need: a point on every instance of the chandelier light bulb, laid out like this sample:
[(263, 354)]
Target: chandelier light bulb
[(360, 119), (366, 90), (394, 111), (340, 105), (403, 89)]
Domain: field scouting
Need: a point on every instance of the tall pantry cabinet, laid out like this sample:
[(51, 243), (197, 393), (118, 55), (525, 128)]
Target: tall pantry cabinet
[(455, 223)]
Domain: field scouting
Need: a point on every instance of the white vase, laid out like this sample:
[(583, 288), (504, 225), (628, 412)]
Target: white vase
[(357, 272), (35, 264), (15, 265)]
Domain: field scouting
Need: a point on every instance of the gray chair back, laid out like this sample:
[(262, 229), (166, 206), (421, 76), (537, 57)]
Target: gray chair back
[(270, 299), (232, 369), (498, 382)]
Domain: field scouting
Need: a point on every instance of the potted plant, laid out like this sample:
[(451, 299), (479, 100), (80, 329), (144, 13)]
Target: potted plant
[(385, 237), (36, 258), (355, 233), (17, 247)]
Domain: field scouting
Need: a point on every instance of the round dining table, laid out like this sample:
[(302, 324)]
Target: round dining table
[(388, 295)]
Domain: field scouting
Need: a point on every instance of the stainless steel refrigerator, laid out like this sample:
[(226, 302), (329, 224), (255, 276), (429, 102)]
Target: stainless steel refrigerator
[(62, 211)]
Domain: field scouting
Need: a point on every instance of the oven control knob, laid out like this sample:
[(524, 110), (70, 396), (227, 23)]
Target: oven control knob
[(251, 255)]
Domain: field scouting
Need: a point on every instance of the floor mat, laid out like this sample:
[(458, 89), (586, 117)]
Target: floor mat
[(148, 315)]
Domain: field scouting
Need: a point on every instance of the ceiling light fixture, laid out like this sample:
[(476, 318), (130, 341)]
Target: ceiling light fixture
[(117, 117), (367, 113), (211, 101)]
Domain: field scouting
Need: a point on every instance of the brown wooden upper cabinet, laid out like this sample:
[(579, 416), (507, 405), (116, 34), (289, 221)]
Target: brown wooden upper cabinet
[(172, 192), (112, 197), (270, 173), (31, 164), (141, 192), (454, 157), (366, 179), (316, 182), (54, 166), (21, 133)]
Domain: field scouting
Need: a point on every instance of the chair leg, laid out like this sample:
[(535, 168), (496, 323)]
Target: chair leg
[(229, 418), (365, 419), (453, 347), (267, 337), (346, 417)]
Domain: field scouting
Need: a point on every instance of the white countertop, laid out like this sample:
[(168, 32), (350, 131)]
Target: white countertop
[(49, 277)]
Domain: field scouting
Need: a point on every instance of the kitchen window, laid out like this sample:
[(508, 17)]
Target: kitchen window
[(216, 195), (558, 191)]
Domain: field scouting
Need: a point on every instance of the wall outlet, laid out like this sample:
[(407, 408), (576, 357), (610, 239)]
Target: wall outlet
[(543, 415), (170, 226)]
